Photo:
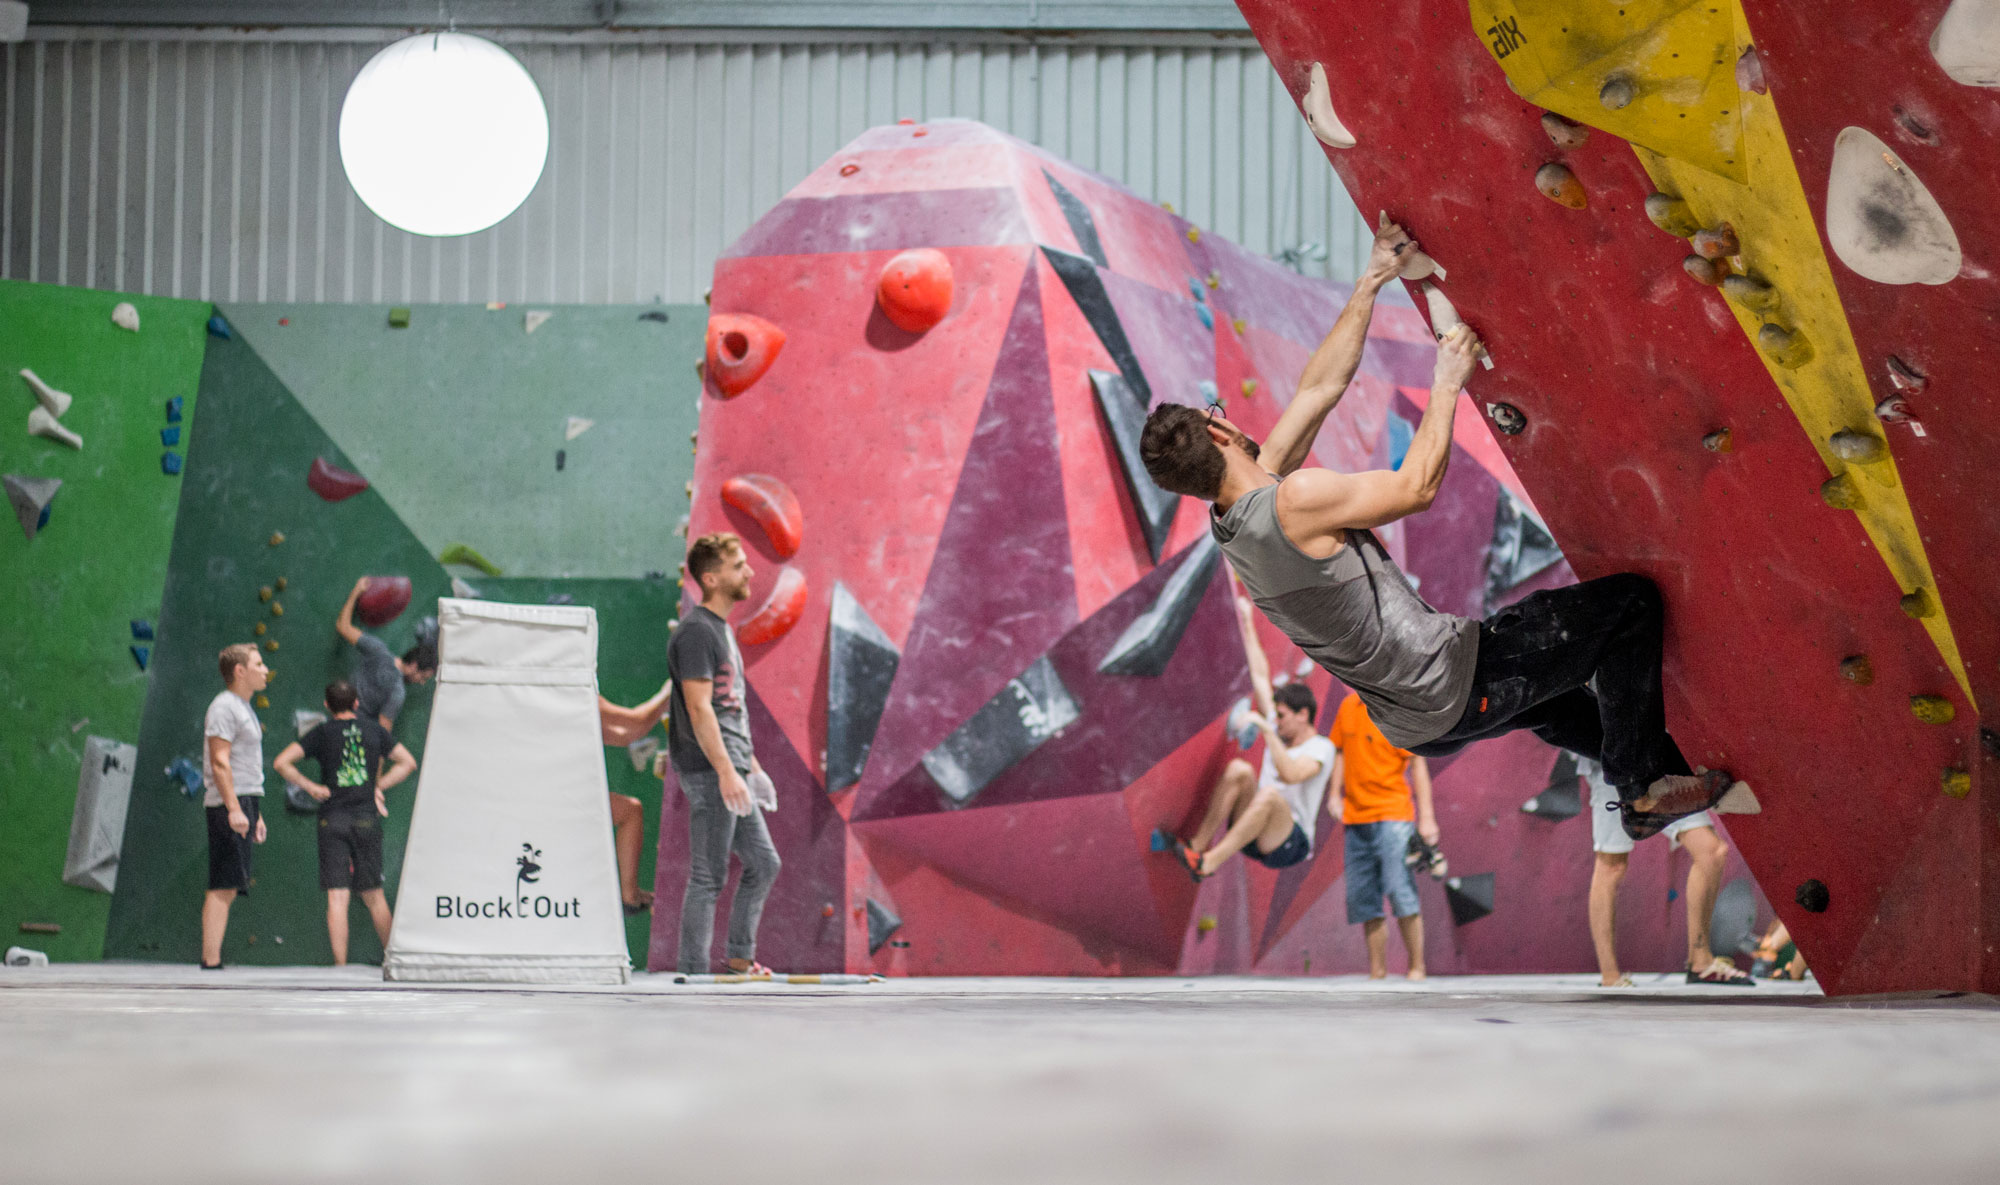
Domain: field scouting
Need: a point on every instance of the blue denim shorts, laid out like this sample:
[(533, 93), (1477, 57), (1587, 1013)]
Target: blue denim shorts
[(1375, 870)]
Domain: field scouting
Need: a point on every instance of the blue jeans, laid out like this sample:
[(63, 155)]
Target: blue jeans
[(1375, 870)]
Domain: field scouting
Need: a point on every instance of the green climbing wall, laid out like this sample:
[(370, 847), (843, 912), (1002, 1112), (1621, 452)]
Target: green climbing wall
[(457, 420), (69, 596)]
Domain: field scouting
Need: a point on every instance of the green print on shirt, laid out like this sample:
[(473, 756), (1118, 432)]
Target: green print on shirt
[(353, 761)]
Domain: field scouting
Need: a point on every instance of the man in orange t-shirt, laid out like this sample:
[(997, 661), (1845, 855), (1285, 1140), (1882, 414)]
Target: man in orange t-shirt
[(1376, 810)]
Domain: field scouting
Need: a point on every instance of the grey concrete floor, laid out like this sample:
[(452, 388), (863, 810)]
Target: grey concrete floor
[(162, 1074)]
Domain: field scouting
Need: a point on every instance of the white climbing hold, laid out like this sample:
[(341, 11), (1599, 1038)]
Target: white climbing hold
[(576, 426), (1881, 219), (1966, 42), (30, 497), (1445, 318), (535, 318), (41, 423), (124, 316), (1416, 265), (1318, 105), (56, 401)]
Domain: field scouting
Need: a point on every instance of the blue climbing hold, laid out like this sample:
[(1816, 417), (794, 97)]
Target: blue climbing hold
[(174, 410), (170, 436), (188, 774), (141, 654), (1195, 290), (217, 327), (170, 464), (142, 629), (1161, 841), (1209, 395), (1207, 318)]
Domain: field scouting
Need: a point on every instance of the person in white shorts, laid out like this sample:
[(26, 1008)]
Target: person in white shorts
[(1694, 832)]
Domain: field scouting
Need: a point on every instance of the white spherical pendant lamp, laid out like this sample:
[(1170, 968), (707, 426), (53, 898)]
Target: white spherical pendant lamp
[(443, 134)]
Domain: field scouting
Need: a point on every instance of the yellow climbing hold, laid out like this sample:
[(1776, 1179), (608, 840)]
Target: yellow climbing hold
[(262, 702), (1239, 325), (264, 594), (1956, 783), (1840, 492), (277, 537), (277, 609), (258, 629), (1932, 709), (1249, 386), (1918, 604), (1194, 234)]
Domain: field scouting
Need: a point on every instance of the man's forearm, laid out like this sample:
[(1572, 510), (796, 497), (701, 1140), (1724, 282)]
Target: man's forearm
[(1430, 446), (225, 786), (708, 734), (1324, 380), (1421, 786)]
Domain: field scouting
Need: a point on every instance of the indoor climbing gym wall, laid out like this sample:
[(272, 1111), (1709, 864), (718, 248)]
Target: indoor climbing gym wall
[(511, 454), (1764, 226), (987, 657), (89, 463)]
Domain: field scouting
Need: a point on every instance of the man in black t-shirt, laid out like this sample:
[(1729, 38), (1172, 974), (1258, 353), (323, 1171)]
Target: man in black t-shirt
[(350, 750)]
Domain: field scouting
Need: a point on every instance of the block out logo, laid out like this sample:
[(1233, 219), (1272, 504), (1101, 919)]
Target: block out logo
[(522, 902)]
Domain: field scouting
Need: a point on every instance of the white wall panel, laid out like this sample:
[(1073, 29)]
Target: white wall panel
[(204, 163)]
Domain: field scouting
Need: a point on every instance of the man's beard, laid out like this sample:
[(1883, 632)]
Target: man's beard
[(1250, 446)]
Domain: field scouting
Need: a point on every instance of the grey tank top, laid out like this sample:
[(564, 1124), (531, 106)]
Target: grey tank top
[(1356, 615)]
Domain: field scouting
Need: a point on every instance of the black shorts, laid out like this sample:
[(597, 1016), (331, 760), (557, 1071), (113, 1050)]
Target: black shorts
[(350, 850), (228, 852), (1295, 848)]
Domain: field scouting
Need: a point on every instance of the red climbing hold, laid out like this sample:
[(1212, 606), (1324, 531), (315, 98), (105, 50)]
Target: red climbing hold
[(333, 483), (740, 349), (779, 612), (773, 505), (915, 289), (383, 599)]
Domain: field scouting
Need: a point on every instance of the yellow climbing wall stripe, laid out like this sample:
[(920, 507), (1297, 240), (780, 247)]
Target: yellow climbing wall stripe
[(1780, 245)]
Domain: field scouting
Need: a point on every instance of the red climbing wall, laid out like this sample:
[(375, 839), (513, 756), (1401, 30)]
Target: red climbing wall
[(1013, 661), (1622, 364)]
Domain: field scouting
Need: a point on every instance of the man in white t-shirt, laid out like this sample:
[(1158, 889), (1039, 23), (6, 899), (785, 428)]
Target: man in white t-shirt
[(234, 775), (1267, 815)]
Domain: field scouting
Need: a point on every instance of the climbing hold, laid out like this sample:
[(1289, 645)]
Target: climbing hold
[(659, 315), (1206, 924), (259, 629), (1445, 318), (1148, 644), (534, 319), (861, 666), (1318, 108), (1956, 783), (1750, 72), (271, 644), (1812, 896), (57, 402), (1022, 716), (277, 608), (459, 553), (264, 594), (882, 923), (30, 497), (1564, 133), (1751, 293), (41, 423), (1239, 324), (1507, 418), (1897, 410), (284, 320), (1717, 441), (1918, 604), (399, 318), (849, 169), (1881, 220), (217, 327), (170, 436), (277, 537), (1784, 347), (170, 464), (125, 317), (1249, 386), (1932, 709), (1858, 447), (915, 289), (1857, 669), (1989, 740), (1194, 289), (1560, 186), (280, 583), (459, 588), (1213, 279), (562, 456), (740, 349), (187, 773), (1207, 317), (1470, 897), (141, 655), (262, 702), (1840, 492), (174, 410), (1904, 377), (1194, 234), (1716, 242), (779, 612), (771, 503), (142, 629), (1415, 264), (1704, 270), (1672, 215), (576, 426), (1966, 43), (332, 482), (1617, 92), (1562, 798)]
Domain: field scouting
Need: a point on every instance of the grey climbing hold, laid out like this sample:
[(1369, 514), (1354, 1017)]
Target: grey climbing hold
[(1148, 644), (1521, 547), (882, 925), (1507, 418), (860, 667), (1562, 798), (1030, 709), (1966, 42), (1858, 447), (1470, 897), (654, 315), (1881, 220), (1125, 413), (1617, 92), (30, 497), (97, 822), (1750, 292), (1563, 133)]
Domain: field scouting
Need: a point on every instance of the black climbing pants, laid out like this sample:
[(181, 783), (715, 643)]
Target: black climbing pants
[(1536, 659)]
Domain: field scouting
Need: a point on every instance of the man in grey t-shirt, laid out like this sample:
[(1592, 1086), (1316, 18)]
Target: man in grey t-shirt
[(379, 675), (1302, 542), (233, 770)]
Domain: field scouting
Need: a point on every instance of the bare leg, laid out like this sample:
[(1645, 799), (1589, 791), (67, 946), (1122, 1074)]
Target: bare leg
[(1265, 820), (1238, 781), (1413, 942), (627, 821), (378, 912), (1703, 883), (336, 923), (1605, 877), (214, 920), (1375, 932)]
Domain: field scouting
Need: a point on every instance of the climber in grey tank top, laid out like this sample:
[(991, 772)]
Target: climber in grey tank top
[(1579, 666)]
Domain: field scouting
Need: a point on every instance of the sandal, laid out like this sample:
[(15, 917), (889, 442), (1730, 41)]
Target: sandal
[(755, 970), (1722, 972), (1624, 981)]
